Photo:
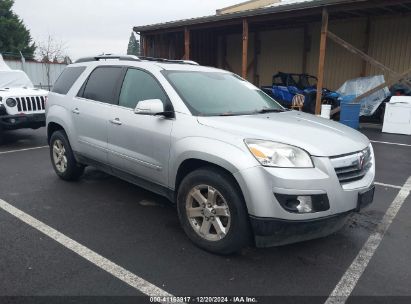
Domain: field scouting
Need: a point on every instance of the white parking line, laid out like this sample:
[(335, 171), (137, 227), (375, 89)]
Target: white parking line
[(20, 150), (388, 185), (93, 257), (389, 143), (350, 278)]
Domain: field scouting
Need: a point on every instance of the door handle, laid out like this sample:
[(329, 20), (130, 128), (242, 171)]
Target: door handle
[(76, 111), (116, 121)]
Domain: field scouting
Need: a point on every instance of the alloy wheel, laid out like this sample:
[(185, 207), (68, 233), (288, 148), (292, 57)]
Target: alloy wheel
[(208, 212), (59, 156)]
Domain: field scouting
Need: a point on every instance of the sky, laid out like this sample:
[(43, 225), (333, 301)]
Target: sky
[(90, 27)]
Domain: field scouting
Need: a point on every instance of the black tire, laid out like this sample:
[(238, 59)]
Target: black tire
[(238, 235), (73, 169)]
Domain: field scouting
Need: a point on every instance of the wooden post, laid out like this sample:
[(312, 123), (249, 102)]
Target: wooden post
[(257, 51), (321, 62), (145, 46), (186, 44), (245, 49), (149, 45)]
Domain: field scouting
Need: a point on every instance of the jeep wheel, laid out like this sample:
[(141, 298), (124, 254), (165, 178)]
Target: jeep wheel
[(62, 157), (212, 211)]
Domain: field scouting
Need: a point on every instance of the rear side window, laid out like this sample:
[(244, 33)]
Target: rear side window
[(102, 83), (66, 80)]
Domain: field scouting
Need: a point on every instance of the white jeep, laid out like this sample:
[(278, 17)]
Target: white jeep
[(21, 105)]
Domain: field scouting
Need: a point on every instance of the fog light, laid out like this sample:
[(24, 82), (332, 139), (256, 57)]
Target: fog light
[(300, 204), (303, 203), (12, 120)]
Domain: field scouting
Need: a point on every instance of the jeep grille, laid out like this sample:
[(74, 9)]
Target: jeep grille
[(30, 104)]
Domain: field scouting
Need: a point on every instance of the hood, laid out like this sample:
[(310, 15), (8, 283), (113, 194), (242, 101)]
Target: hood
[(14, 79), (318, 136)]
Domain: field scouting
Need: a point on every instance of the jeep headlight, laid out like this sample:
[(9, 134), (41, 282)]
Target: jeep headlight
[(11, 102), (273, 154)]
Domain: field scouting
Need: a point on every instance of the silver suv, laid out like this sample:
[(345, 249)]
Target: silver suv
[(239, 167)]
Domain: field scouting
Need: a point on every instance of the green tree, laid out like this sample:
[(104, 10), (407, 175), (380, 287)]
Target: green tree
[(14, 36), (133, 46)]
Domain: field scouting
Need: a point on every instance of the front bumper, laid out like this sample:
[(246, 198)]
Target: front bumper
[(274, 225), (13, 122), (277, 232)]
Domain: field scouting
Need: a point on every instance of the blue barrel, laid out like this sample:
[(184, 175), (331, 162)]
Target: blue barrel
[(350, 112)]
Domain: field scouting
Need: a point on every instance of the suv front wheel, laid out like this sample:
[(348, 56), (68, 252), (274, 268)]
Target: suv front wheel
[(212, 211), (62, 157)]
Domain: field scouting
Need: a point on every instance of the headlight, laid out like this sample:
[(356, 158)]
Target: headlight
[(273, 154), (11, 102)]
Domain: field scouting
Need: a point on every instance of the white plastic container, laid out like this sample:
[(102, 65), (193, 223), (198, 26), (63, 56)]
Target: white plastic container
[(397, 118), (326, 111)]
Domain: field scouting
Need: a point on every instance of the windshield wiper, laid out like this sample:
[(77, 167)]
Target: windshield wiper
[(267, 110), (232, 114)]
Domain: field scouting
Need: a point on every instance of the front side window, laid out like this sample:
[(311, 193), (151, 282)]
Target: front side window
[(219, 93), (102, 83), (137, 86)]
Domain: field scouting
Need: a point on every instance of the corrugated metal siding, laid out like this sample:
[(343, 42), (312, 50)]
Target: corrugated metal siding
[(37, 71), (234, 53), (281, 50), (340, 64), (390, 43)]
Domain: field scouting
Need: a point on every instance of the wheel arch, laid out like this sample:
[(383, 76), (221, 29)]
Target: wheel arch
[(191, 164), (58, 118), (51, 128)]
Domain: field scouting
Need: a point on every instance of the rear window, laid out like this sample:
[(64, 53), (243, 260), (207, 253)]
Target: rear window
[(66, 80), (102, 83)]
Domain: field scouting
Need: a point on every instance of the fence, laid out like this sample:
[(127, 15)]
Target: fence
[(37, 72)]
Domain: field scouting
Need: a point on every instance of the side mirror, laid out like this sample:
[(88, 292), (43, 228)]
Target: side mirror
[(149, 107)]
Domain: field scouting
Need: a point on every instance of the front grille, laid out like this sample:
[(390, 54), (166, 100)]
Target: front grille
[(30, 104), (352, 167)]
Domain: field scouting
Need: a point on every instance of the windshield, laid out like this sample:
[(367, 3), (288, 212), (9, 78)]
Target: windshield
[(217, 93)]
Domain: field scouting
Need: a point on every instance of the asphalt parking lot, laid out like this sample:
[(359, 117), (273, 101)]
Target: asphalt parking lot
[(105, 237)]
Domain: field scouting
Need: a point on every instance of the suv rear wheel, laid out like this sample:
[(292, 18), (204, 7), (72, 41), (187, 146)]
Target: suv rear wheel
[(212, 211), (62, 157)]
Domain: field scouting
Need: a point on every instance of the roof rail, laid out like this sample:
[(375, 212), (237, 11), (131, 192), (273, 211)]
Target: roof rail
[(168, 60), (133, 58), (108, 56)]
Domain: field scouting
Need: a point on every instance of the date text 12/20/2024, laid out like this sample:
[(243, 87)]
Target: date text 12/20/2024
[(240, 299)]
